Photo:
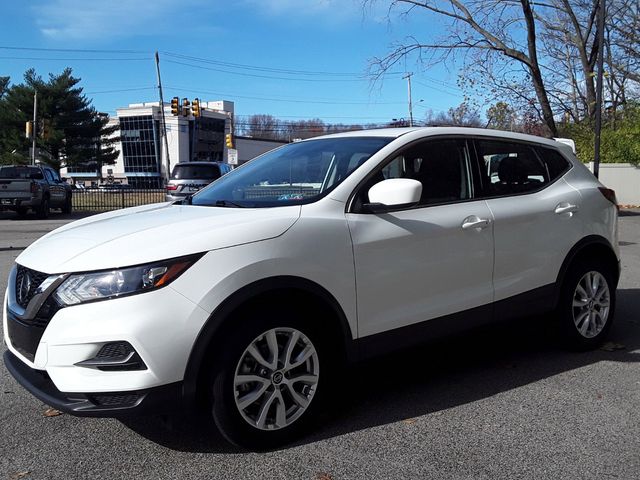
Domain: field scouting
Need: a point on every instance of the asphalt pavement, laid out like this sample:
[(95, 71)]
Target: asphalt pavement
[(500, 403)]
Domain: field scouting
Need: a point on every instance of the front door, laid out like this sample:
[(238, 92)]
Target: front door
[(430, 260)]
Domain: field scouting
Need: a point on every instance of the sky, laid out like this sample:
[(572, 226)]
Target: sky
[(293, 59)]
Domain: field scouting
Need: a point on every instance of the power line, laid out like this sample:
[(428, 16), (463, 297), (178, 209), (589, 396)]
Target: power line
[(268, 69), (323, 102), (77, 50), (49, 59), (121, 90), (244, 74)]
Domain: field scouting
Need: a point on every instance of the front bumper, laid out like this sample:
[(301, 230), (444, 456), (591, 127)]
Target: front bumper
[(163, 399)]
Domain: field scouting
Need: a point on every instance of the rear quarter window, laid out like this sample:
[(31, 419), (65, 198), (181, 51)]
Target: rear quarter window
[(556, 164)]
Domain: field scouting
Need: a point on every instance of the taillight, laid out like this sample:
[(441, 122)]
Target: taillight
[(34, 187), (171, 186), (609, 195)]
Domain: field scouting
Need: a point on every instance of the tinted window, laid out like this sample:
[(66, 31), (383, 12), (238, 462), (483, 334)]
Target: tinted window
[(511, 168), (198, 172), (20, 172), (442, 166), (555, 162), (48, 175)]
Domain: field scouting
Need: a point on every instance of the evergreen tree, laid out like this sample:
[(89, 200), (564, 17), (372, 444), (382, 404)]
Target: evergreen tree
[(69, 131)]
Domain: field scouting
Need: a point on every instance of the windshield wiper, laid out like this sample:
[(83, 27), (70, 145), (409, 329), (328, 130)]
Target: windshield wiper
[(227, 203)]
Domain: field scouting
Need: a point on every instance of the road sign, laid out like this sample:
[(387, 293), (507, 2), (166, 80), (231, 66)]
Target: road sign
[(232, 157)]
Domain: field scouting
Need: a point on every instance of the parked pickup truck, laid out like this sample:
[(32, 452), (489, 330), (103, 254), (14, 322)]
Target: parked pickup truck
[(37, 187)]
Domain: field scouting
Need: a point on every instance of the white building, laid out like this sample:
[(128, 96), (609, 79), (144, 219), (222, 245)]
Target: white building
[(142, 161)]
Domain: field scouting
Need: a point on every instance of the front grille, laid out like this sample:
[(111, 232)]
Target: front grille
[(27, 283)]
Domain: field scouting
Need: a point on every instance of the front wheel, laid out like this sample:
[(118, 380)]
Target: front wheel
[(587, 305), (266, 389)]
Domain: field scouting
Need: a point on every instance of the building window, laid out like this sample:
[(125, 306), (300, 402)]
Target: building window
[(139, 144)]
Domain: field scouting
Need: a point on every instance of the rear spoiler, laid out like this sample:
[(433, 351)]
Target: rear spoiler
[(567, 141)]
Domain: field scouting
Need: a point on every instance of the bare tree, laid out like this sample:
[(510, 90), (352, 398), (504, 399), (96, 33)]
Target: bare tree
[(462, 116), (488, 25)]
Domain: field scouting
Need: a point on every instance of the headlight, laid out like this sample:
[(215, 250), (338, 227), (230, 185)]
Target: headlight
[(92, 286)]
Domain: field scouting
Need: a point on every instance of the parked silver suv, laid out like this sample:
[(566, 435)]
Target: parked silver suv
[(189, 177)]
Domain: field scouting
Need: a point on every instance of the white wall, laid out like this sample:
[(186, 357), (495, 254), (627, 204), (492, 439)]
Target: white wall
[(624, 178), (250, 148)]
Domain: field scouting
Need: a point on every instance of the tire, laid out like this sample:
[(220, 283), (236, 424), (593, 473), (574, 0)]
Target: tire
[(67, 207), (587, 305), (43, 210), (22, 211), (267, 409)]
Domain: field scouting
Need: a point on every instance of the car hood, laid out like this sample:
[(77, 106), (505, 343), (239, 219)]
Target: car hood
[(152, 232)]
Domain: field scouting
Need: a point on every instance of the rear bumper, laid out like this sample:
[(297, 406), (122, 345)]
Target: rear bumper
[(162, 399), (12, 202)]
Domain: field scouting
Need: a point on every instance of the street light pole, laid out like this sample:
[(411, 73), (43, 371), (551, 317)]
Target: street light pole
[(408, 78), (34, 130), (599, 88), (164, 121)]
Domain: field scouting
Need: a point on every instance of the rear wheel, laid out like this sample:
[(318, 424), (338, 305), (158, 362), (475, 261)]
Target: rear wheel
[(22, 211), (43, 210), (266, 388), (587, 304)]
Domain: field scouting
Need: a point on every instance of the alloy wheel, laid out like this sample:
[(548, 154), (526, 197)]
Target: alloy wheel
[(591, 304), (276, 378)]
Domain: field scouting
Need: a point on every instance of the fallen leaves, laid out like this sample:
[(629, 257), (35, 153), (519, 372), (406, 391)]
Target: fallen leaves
[(52, 412), (324, 476), (19, 475), (612, 347)]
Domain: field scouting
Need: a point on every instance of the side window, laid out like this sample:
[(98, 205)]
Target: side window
[(511, 168), (48, 175), (555, 162), (442, 166)]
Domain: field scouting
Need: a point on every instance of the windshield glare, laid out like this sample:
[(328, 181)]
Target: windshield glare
[(294, 174)]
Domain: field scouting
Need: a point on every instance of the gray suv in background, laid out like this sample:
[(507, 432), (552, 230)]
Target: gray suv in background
[(189, 177)]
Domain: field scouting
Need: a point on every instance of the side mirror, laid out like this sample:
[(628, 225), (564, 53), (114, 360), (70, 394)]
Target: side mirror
[(393, 193)]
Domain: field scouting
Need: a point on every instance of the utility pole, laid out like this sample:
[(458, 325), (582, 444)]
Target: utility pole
[(598, 126), (408, 78), (35, 127), (164, 121)]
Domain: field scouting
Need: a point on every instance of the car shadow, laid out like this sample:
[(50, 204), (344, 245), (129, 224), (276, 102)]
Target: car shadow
[(430, 379)]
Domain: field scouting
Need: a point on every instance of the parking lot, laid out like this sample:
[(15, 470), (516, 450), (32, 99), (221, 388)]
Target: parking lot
[(501, 403)]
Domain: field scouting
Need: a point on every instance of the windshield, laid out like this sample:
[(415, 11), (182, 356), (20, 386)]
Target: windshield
[(294, 174), (198, 172)]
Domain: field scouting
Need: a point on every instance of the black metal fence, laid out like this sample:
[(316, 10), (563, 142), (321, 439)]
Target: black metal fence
[(105, 199)]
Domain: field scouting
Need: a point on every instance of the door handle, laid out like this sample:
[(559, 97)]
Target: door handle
[(565, 207), (475, 222)]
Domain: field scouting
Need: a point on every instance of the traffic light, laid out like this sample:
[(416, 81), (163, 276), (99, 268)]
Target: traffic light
[(195, 107), (186, 107), (175, 106), (228, 139)]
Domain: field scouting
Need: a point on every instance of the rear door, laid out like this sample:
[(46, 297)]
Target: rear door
[(419, 263), (536, 213)]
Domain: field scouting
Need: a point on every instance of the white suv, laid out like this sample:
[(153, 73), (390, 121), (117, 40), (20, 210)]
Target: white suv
[(318, 253)]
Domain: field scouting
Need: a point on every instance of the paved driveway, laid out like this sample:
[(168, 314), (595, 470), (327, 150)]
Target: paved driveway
[(496, 404)]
